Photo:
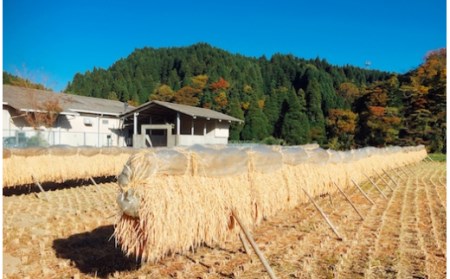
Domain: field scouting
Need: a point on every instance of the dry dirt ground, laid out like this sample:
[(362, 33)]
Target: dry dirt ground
[(402, 236)]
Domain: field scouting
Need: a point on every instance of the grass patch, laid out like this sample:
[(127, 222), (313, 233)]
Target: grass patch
[(438, 157)]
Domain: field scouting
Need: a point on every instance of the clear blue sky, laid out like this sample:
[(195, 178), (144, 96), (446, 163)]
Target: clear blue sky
[(50, 41)]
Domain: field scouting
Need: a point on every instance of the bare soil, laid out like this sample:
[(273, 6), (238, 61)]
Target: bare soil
[(403, 236)]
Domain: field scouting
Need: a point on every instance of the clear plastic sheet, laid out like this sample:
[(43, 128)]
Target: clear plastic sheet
[(318, 156), (294, 155), (170, 161), (265, 159), (219, 161)]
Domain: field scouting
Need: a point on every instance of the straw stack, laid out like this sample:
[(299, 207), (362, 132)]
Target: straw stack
[(173, 200), (60, 164)]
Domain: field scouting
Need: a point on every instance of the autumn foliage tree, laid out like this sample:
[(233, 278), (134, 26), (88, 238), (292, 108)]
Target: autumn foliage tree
[(341, 128), (43, 114), (425, 103)]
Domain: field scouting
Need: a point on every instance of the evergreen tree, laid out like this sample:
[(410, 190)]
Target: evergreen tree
[(256, 123), (236, 111), (295, 128), (315, 113)]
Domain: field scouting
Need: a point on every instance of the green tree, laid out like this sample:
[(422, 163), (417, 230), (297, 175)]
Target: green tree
[(315, 113), (236, 111), (256, 123), (295, 127)]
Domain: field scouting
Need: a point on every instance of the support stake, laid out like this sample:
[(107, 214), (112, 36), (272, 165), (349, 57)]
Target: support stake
[(384, 181), (376, 186), (93, 181), (255, 247), (245, 244), (362, 192), (397, 173), (409, 169), (345, 196), (36, 182), (324, 216), (395, 182)]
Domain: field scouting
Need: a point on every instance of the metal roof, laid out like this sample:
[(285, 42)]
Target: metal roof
[(27, 99), (185, 109)]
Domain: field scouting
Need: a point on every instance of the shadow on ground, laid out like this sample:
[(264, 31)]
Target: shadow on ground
[(54, 186), (92, 253)]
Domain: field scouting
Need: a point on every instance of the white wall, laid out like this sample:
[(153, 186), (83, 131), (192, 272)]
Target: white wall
[(216, 133), (68, 129)]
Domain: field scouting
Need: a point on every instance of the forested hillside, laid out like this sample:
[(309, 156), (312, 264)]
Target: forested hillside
[(18, 81), (285, 99)]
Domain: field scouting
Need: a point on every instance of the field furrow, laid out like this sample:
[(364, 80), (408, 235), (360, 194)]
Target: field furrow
[(404, 236), (434, 258), (410, 254), (382, 260), (355, 261)]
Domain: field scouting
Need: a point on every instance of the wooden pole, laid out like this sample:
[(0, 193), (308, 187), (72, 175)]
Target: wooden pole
[(376, 186), (395, 182), (324, 216), (409, 169), (397, 173), (382, 178), (93, 181), (36, 182), (255, 247), (362, 192), (345, 196), (245, 244), (429, 158), (401, 168)]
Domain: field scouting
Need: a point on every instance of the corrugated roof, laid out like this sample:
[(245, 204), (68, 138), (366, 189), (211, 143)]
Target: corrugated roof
[(185, 109), (22, 98)]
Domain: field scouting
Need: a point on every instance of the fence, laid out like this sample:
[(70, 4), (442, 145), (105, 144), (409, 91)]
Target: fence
[(21, 138)]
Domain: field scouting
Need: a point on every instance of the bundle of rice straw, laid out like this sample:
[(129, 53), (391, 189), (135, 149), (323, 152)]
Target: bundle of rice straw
[(173, 200), (59, 164)]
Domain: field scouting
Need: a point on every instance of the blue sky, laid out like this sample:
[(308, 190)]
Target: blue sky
[(50, 41)]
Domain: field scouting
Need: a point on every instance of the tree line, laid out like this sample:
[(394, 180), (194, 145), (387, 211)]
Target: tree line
[(286, 99)]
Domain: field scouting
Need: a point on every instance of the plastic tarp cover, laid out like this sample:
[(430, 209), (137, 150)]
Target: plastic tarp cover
[(318, 156), (169, 161), (266, 159), (212, 162), (294, 155)]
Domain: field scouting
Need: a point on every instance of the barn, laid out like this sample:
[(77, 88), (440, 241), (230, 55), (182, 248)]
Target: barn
[(159, 123)]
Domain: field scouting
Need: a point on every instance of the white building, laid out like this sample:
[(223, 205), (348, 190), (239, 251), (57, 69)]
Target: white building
[(88, 121), (83, 121), (158, 123)]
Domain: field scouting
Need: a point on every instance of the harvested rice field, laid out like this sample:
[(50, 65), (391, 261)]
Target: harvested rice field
[(401, 236)]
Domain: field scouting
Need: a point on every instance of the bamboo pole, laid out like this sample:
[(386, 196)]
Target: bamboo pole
[(362, 192), (255, 247), (345, 196), (93, 181), (382, 178), (376, 186), (36, 182), (395, 182), (409, 169), (333, 228), (245, 244), (401, 168), (397, 173)]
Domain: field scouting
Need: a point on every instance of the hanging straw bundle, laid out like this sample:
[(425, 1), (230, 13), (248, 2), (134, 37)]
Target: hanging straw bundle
[(173, 200), (58, 164)]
